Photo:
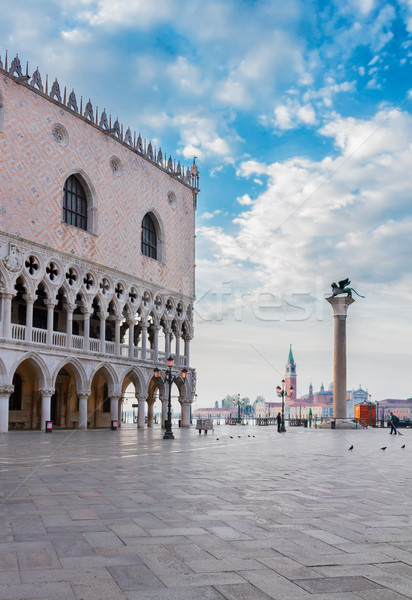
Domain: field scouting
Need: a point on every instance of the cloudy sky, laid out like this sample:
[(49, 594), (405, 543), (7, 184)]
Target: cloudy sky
[(299, 114)]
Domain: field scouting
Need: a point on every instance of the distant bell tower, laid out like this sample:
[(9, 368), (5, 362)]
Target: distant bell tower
[(290, 379)]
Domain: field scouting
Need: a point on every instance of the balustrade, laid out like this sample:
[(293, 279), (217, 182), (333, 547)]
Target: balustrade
[(39, 336), (18, 332), (58, 338), (77, 342)]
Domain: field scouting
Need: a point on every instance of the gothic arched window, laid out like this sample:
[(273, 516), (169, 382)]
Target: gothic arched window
[(74, 203), (149, 237)]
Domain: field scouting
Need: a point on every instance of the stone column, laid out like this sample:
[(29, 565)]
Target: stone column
[(117, 320), (45, 407), (5, 392), (150, 403), (30, 300), (83, 398), (50, 312), (144, 340), (141, 401), (177, 357), (156, 343), (164, 402), (131, 338), (70, 308), (114, 407), (168, 332), (86, 327), (340, 307), (187, 350), (185, 413), (103, 316), (7, 297)]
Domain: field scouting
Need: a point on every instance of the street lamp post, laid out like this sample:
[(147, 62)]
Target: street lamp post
[(239, 403), (170, 379), (281, 392)]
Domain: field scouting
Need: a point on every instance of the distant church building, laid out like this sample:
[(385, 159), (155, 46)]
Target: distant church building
[(320, 403), (97, 231)]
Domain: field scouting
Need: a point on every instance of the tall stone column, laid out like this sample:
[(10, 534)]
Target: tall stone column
[(114, 407), (141, 401), (187, 339), (144, 340), (185, 413), (131, 338), (7, 298), (45, 407), (117, 322), (30, 300), (86, 328), (50, 313), (156, 343), (5, 392), (340, 307), (83, 398), (103, 315), (70, 308)]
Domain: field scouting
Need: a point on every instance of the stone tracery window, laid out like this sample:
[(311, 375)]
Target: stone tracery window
[(74, 203)]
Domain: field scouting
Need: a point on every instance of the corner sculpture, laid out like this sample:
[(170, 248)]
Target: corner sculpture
[(343, 288)]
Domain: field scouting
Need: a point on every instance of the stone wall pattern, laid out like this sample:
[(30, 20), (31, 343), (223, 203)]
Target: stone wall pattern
[(33, 171)]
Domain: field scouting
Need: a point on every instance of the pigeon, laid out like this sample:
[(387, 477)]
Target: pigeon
[(217, 439), (403, 446), (351, 448), (231, 437), (239, 436), (248, 435), (254, 436), (384, 448)]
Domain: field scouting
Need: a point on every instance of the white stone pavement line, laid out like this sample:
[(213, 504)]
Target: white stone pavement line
[(331, 175), (35, 469)]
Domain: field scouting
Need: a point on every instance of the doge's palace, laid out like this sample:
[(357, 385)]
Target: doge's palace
[(97, 259)]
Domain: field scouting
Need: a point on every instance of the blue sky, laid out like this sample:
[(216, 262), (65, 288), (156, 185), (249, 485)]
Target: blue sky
[(299, 114)]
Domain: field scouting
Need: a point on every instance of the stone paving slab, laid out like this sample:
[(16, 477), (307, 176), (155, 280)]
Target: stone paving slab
[(127, 515)]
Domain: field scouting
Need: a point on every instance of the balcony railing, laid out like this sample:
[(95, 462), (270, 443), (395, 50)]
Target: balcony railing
[(59, 340)]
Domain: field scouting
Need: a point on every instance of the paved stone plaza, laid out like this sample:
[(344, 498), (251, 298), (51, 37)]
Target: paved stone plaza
[(110, 515)]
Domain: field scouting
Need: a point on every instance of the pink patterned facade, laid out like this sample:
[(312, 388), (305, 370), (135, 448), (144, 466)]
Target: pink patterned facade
[(87, 304)]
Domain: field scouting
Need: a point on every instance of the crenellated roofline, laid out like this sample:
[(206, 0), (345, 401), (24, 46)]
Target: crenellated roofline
[(188, 177)]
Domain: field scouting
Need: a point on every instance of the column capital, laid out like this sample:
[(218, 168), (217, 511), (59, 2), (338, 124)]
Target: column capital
[(8, 294), (6, 390), (50, 303), (140, 397), (151, 401), (69, 307), (115, 396), (30, 298), (103, 314), (130, 322), (340, 305), (86, 311), (83, 395), (46, 392)]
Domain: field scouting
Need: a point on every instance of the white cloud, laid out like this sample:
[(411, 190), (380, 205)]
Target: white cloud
[(135, 13), (245, 200)]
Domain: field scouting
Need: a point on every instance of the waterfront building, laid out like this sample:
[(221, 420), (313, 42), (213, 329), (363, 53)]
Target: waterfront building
[(97, 231)]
